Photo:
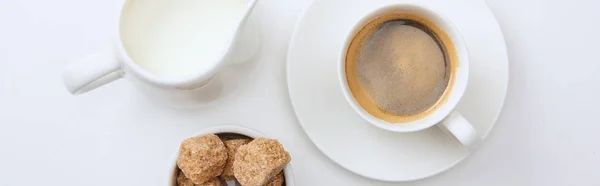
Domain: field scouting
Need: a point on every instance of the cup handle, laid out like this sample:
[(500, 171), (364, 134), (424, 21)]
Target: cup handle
[(92, 71), (457, 126)]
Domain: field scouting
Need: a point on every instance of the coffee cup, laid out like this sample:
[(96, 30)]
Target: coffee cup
[(404, 68), (171, 50)]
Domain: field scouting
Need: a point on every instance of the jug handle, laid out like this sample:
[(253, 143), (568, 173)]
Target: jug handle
[(92, 71)]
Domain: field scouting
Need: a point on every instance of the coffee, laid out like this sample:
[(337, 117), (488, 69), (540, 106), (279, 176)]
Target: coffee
[(398, 67)]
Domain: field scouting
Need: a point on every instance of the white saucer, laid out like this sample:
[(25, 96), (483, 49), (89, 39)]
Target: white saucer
[(344, 137)]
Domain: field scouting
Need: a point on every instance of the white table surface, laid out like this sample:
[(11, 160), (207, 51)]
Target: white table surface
[(547, 134)]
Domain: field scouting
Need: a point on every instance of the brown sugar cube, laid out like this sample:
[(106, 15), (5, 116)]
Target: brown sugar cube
[(213, 182), (184, 181), (277, 181), (202, 158), (257, 162), (232, 145)]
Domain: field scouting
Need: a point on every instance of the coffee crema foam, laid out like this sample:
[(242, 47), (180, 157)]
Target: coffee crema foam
[(399, 66)]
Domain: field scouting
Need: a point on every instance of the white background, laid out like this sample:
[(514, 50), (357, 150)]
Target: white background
[(547, 134)]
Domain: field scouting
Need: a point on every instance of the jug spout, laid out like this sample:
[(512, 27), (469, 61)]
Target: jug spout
[(245, 40), (250, 4)]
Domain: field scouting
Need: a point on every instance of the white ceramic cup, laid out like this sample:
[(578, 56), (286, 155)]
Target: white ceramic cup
[(444, 116), (113, 62), (288, 173)]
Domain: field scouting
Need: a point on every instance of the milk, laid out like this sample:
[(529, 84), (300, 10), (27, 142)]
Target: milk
[(179, 38)]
